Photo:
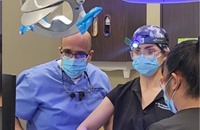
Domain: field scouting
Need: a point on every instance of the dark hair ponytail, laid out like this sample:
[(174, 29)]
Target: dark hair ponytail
[(184, 57)]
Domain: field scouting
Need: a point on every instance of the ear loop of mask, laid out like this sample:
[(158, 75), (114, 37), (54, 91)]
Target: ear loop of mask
[(174, 90), (173, 94), (162, 60), (163, 86)]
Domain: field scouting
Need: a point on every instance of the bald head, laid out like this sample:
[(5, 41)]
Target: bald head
[(77, 42)]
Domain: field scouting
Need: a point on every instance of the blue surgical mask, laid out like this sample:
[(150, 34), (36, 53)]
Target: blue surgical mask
[(73, 67), (169, 102), (146, 66)]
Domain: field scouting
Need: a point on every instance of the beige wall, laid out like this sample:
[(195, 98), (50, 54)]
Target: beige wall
[(22, 52), (153, 14)]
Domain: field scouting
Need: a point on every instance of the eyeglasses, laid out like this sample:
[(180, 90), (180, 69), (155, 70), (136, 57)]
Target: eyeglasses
[(136, 52), (77, 55)]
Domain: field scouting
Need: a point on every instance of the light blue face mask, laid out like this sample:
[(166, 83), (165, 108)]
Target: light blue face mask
[(146, 66), (169, 102), (73, 67)]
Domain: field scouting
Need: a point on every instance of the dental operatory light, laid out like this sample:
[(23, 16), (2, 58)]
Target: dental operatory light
[(35, 18), (160, 1)]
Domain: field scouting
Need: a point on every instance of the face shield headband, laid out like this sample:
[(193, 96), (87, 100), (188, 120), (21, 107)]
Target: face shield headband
[(147, 40), (162, 43)]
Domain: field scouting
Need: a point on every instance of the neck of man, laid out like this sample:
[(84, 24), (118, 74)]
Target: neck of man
[(59, 62)]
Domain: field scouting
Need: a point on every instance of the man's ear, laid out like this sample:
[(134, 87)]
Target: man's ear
[(90, 54), (60, 49)]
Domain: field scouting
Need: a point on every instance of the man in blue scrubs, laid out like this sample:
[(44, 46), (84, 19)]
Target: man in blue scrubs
[(60, 94)]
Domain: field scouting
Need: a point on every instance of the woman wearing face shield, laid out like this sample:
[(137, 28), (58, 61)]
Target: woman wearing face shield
[(140, 102), (180, 84)]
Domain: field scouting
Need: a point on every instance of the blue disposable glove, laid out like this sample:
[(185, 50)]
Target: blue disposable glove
[(86, 21)]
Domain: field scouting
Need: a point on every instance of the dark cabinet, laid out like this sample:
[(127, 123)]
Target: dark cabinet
[(8, 109), (117, 20), (180, 20)]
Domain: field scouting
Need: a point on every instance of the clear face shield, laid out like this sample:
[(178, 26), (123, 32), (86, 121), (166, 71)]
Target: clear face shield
[(146, 47), (150, 52)]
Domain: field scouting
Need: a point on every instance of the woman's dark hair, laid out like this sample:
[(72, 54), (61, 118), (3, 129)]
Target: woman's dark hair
[(184, 57)]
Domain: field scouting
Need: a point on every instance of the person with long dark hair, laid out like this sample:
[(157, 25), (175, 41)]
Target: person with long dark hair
[(180, 84)]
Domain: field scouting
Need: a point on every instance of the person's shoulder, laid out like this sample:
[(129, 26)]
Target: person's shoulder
[(164, 123), (126, 87), (93, 67), (42, 67), (129, 84), (94, 70), (156, 126), (39, 69)]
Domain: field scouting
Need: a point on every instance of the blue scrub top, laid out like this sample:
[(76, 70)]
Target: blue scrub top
[(43, 96)]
